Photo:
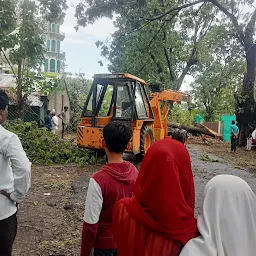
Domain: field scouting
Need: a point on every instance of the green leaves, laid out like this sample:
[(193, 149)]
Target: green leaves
[(29, 37), (7, 22), (215, 86), (22, 36), (43, 147), (53, 10)]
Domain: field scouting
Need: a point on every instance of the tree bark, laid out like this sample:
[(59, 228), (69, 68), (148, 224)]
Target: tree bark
[(171, 73), (246, 105)]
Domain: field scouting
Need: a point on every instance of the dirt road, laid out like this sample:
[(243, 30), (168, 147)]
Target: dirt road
[(207, 165), (51, 218)]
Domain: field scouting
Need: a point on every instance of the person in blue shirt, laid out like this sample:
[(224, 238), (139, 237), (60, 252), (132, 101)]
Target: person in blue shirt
[(234, 130)]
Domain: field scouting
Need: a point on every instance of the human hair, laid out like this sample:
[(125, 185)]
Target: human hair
[(233, 122), (117, 135), (48, 112), (4, 100), (66, 107)]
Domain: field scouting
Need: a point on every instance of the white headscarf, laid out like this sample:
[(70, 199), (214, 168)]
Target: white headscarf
[(227, 220)]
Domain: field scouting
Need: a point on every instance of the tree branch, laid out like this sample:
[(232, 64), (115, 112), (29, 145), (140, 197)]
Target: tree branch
[(152, 39), (233, 19), (193, 56), (175, 9), (149, 21), (192, 61), (172, 75), (249, 30)]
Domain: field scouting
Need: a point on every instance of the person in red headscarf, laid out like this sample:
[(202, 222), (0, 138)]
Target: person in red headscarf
[(159, 219)]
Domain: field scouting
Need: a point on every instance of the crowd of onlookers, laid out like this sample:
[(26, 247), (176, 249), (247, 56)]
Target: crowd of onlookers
[(51, 121), (153, 214), (131, 213), (234, 134)]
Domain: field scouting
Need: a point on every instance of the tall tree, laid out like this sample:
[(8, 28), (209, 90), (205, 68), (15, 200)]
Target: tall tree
[(242, 28), (217, 76), (155, 49), (7, 21), (78, 87), (24, 46)]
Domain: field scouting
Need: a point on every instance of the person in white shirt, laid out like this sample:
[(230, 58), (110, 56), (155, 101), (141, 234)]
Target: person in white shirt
[(55, 122), (63, 117), (252, 136), (14, 179)]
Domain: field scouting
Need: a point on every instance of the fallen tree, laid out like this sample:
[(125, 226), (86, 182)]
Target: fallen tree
[(194, 129)]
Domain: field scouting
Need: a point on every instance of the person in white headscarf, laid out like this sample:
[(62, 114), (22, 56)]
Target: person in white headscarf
[(226, 221)]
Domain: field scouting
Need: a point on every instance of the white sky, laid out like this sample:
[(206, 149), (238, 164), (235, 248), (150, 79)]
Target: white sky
[(81, 52)]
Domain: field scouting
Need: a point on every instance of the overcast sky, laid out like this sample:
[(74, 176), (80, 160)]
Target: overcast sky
[(81, 51)]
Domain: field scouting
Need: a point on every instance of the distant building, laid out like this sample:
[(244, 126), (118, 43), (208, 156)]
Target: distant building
[(54, 58), (37, 102), (53, 68)]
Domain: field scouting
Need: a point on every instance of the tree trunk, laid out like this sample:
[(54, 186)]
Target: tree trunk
[(246, 105), (192, 61), (20, 102), (192, 129)]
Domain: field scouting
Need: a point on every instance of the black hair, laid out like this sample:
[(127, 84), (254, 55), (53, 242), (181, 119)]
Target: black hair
[(117, 135), (65, 107), (4, 100), (48, 112), (233, 122)]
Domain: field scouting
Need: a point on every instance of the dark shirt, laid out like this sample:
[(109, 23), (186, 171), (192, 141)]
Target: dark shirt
[(47, 122)]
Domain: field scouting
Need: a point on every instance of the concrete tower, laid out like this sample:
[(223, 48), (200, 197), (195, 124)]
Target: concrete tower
[(54, 58)]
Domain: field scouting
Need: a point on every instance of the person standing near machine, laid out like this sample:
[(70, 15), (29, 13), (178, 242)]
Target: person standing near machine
[(63, 117), (54, 122), (48, 121), (234, 135)]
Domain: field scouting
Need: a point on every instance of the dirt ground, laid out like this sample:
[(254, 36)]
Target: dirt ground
[(50, 219)]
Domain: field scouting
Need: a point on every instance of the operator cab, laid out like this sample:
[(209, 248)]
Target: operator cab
[(117, 96), (114, 97)]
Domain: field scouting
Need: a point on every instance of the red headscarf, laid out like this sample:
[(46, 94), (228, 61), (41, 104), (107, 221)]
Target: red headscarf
[(164, 194)]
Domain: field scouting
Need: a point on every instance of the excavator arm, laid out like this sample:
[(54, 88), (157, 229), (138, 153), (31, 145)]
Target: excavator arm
[(161, 119)]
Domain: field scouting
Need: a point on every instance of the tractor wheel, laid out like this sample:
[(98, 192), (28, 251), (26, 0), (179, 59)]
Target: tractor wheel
[(146, 140)]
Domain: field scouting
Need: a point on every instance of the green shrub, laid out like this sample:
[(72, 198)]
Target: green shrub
[(43, 147)]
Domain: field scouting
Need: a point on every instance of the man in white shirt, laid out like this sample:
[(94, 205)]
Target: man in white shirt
[(14, 179), (55, 122), (254, 134), (63, 117)]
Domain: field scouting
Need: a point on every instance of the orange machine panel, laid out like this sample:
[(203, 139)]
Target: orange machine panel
[(101, 121), (90, 137)]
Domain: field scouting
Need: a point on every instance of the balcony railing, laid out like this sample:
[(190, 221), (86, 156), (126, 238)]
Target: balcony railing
[(60, 34), (58, 54)]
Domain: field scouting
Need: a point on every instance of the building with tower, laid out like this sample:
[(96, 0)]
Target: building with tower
[(54, 58)]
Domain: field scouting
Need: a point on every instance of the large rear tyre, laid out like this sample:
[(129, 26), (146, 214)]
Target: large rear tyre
[(146, 140)]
